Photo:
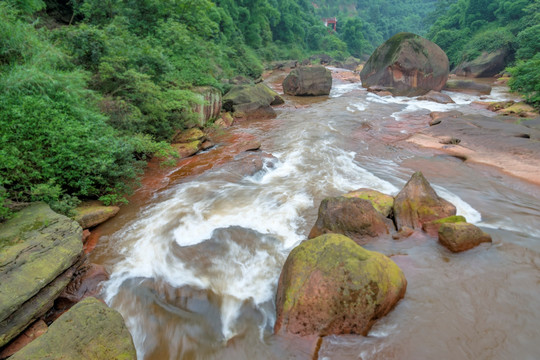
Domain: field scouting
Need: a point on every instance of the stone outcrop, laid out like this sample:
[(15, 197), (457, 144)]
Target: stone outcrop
[(408, 65), (351, 216), (208, 106), (252, 100), (417, 203), (308, 81), (93, 213), (331, 285), (461, 236), (89, 330), (487, 64), (468, 87), (39, 253), (437, 97)]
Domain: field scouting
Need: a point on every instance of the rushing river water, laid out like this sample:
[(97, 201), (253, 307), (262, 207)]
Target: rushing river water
[(194, 268)]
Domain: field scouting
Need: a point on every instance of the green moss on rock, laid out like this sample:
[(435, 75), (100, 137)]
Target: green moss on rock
[(331, 285), (89, 330), (381, 202)]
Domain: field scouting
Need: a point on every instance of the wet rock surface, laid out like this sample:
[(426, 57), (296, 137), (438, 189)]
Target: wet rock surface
[(331, 285), (461, 236), (93, 213)]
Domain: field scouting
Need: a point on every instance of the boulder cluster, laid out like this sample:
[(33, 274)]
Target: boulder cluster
[(330, 284)]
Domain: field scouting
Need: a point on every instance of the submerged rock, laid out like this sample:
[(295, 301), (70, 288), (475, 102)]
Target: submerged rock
[(350, 216), (308, 81), (437, 97), (461, 236), (418, 203), (39, 252), (89, 330), (331, 285), (408, 65)]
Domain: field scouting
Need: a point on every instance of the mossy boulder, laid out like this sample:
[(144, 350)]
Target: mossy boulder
[(39, 252), (188, 149), (350, 216), (189, 135), (93, 213), (417, 203), (331, 285), (252, 100), (461, 236), (308, 81), (89, 330), (432, 227), (381, 202), (408, 64), (487, 64)]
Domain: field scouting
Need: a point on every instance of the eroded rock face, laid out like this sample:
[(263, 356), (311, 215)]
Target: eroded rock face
[(308, 81), (89, 330), (417, 203), (39, 252), (252, 100), (331, 285), (351, 216), (408, 65), (461, 236), (209, 106)]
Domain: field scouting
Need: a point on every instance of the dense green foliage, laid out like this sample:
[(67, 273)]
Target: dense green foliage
[(469, 27)]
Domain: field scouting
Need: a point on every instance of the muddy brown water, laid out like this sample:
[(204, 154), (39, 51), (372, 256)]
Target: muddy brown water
[(196, 256)]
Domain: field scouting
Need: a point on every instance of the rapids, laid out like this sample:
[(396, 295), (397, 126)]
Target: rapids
[(194, 267)]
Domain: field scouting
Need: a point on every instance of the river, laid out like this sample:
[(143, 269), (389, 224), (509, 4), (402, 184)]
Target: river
[(195, 259)]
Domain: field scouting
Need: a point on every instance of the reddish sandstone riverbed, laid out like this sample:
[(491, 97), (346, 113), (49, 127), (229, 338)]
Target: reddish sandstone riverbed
[(195, 257)]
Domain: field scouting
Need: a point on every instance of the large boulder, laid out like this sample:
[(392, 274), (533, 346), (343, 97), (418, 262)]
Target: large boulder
[(331, 285), (39, 252), (208, 105), (408, 65), (487, 64), (252, 100), (89, 330), (417, 203), (381, 202), (461, 236), (351, 216), (308, 81)]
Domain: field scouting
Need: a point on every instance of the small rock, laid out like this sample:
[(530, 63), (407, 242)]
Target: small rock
[(405, 232), (85, 235), (461, 236), (207, 145), (187, 149), (432, 227), (437, 97)]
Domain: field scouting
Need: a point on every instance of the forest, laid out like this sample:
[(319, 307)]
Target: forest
[(90, 90)]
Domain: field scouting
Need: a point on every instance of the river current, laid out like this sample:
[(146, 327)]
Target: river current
[(194, 267)]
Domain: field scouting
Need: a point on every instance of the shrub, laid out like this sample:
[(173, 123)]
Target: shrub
[(526, 80)]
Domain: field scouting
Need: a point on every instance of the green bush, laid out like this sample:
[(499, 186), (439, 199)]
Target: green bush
[(488, 40), (526, 80)]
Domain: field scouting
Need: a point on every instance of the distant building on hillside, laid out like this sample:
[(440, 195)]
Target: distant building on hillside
[(330, 22)]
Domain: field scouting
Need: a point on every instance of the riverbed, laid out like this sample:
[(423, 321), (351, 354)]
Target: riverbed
[(196, 256)]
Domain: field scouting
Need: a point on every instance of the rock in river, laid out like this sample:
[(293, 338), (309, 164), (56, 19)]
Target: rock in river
[(417, 203), (89, 330), (331, 285), (308, 81), (39, 252), (461, 236), (350, 216), (408, 64), (252, 100)]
